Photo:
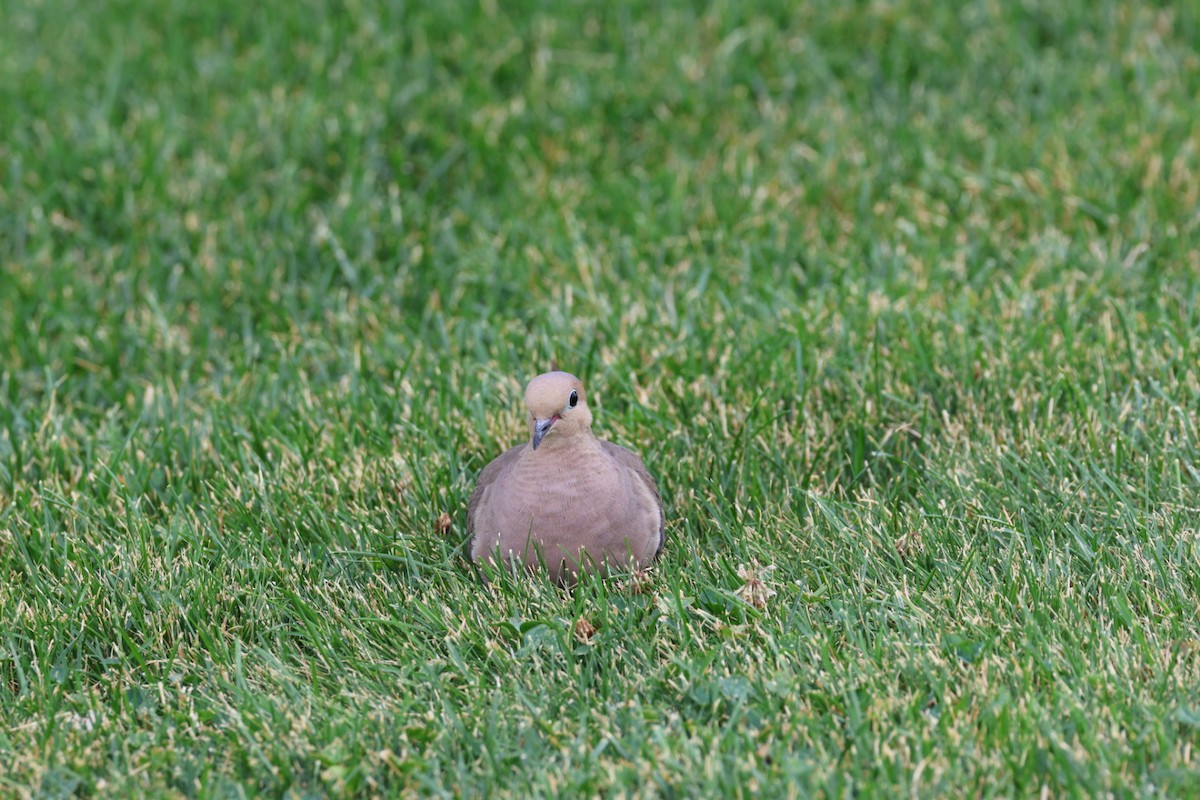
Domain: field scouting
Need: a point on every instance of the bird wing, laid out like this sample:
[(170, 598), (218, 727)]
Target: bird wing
[(631, 461), (491, 472)]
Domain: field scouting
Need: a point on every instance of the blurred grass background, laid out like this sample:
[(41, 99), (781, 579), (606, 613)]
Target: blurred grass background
[(898, 301)]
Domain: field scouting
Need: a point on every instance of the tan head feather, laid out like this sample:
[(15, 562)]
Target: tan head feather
[(557, 408)]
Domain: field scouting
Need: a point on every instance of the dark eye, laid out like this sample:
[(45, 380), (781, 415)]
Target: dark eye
[(574, 399)]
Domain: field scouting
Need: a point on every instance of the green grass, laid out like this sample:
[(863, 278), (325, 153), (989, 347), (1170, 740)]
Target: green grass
[(899, 301)]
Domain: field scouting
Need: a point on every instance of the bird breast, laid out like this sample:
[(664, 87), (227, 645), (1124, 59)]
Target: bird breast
[(582, 502)]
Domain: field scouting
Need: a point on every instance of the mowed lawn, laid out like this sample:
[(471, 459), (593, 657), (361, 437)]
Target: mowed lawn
[(899, 301)]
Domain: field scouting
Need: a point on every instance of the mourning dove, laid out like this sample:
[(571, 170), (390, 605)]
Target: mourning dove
[(565, 499)]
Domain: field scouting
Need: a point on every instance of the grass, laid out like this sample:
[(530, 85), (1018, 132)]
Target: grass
[(900, 302)]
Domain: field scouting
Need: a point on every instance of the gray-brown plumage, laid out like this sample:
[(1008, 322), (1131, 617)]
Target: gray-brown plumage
[(565, 499)]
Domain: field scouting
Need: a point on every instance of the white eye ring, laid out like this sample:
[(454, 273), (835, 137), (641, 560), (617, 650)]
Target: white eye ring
[(573, 400)]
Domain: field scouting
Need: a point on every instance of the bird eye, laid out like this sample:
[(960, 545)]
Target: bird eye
[(574, 399)]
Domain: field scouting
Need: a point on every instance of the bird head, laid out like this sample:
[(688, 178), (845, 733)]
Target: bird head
[(556, 405)]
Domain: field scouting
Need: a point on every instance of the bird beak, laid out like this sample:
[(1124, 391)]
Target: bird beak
[(540, 428)]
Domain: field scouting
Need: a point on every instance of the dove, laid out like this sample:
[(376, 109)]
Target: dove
[(566, 499)]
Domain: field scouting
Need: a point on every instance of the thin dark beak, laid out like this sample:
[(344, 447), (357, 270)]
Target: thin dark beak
[(540, 428)]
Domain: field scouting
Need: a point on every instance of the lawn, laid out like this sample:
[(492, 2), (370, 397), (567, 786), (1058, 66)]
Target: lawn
[(899, 301)]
